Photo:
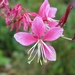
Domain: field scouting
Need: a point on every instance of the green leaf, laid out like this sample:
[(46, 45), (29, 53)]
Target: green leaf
[(4, 61)]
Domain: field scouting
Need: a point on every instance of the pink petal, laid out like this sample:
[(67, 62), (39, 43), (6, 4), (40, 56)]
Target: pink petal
[(6, 2), (52, 12), (26, 16), (33, 14), (47, 9), (53, 34), (25, 26), (49, 54), (24, 38), (52, 23), (42, 11), (38, 27), (26, 21), (8, 20)]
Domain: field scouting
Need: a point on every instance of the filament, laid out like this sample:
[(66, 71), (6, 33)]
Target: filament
[(48, 49), (32, 58)]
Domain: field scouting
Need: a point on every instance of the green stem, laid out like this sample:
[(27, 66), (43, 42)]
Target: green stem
[(66, 37)]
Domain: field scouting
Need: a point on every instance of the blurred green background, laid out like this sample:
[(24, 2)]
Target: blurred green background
[(13, 56)]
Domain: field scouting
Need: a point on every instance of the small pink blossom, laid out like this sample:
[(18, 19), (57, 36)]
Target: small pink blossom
[(26, 21), (18, 17), (5, 10), (39, 37), (14, 17), (7, 14), (3, 3), (16, 25), (16, 11)]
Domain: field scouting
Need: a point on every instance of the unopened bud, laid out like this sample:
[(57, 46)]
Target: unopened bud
[(73, 39)]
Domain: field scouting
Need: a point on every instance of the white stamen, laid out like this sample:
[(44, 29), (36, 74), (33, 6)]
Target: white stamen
[(40, 62), (39, 53), (33, 47), (43, 56), (47, 26), (31, 53), (32, 50), (50, 19), (44, 60), (48, 49), (32, 58), (39, 47), (29, 57)]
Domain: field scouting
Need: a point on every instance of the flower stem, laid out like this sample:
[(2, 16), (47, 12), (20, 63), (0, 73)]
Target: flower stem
[(66, 37)]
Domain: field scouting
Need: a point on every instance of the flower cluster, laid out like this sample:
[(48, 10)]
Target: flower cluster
[(38, 28)]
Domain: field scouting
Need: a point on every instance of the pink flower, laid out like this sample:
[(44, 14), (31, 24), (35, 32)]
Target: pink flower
[(47, 13), (3, 3), (39, 37)]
